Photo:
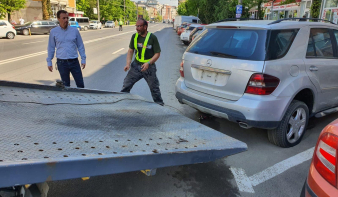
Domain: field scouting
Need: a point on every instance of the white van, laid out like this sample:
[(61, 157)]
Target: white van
[(83, 22), (181, 19)]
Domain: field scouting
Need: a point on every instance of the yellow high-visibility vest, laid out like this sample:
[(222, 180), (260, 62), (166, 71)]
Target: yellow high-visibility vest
[(144, 47)]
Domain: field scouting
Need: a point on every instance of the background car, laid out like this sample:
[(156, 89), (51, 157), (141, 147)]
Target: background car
[(186, 33), (36, 27), (110, 24), (83, 22), (75, 24), (94, 24), (7, 30), (196, 32), (322, 177)]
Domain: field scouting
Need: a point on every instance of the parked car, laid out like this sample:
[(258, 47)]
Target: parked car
[(265, 74), (95, 24), (36, 27), (75, 24), (186, 33), (7, 30), (185, 19), (83, 22), (110, 24), (182, 28), (322, 177), (195, 32)]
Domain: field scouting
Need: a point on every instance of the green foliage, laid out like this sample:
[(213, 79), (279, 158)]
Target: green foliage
[(287, 2), (8, 6), (158, 18), (109, 9), (210, 11), (315, 8)]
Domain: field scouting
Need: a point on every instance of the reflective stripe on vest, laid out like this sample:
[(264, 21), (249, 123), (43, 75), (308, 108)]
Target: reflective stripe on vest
[(144, 47)]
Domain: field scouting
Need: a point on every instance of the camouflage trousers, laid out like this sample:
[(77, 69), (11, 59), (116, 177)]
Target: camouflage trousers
[(135, 74)]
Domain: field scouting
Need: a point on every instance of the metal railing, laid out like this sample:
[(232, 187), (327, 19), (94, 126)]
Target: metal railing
[(300, 20)]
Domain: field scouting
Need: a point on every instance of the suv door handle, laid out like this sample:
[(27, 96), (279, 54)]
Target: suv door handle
[(313, 68)]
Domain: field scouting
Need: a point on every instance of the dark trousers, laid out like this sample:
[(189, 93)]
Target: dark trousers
[(135, 74), (66, 67), (120, 28)]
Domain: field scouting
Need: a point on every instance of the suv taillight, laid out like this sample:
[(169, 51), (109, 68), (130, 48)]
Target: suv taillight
[(182, 68), (262, 84), (325, 157)]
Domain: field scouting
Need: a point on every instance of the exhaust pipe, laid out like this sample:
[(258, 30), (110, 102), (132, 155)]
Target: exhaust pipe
[(244, 125)]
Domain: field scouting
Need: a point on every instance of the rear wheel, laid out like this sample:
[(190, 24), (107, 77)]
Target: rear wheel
[(85, 28), (79, 29), (25, 32), (186, 42), (10, 35), (292, 127)]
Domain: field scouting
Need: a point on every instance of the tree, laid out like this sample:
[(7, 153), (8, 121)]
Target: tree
[(46, 9), (182, 10), (315, 8), (8, 6)]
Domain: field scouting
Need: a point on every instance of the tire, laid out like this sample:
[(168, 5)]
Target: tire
[(25, 32), (85, 28), (10, 35), (283, 135), (186, 42), (79, 29)]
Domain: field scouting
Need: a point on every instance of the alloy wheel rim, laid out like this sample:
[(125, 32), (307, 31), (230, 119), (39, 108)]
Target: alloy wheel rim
[(296, 125)]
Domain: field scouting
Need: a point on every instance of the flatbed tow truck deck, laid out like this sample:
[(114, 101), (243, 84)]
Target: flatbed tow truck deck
[(48, 134)]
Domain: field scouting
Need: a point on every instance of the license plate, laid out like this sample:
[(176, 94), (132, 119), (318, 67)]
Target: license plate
[(213, 78)]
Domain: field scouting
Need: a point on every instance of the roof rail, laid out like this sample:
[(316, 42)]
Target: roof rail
[(300, 20), (235, 19)]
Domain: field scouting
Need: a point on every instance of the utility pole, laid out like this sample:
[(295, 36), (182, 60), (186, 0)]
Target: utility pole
[(136, 11), (239, 3), (98, 10), (271, 11), (124, 11)]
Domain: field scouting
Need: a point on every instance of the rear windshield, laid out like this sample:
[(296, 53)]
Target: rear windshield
[(109, 22), (231, 43)]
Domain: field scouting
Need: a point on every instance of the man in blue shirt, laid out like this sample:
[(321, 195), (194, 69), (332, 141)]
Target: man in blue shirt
[(67, 41)]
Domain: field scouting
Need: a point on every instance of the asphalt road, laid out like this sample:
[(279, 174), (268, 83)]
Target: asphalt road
[(266, 165)]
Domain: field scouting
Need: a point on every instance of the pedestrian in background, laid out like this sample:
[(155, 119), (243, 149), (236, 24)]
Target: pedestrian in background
[(67, 41), (120, 24), (22, 21), (147, 51)]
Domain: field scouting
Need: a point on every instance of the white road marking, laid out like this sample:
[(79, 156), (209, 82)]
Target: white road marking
[(245, 183), (118, 51), (34, 42), (45, 52)]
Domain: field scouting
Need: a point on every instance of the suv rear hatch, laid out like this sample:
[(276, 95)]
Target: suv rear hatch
[(221, 61)]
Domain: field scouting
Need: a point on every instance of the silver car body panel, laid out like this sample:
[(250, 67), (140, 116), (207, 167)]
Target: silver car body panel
[(293, 70)]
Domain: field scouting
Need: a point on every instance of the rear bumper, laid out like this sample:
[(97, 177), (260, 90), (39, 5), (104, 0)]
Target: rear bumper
[(307, 191), (256, 111)]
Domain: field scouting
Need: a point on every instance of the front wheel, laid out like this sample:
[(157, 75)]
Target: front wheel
[(85, 28), (25, 32), (292, 127), (10, 35)]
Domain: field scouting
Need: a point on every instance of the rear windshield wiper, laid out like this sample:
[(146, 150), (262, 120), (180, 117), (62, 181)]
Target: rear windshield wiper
[(222, 54)]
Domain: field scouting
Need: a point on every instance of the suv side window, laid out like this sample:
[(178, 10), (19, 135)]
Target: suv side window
[(2, 23), (51, 23), (44, 23), (36, 23), (320, 44), (280, 43)]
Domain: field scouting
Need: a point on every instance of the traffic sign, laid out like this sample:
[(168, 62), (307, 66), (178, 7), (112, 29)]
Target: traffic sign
[(238, 15), (239, 9)]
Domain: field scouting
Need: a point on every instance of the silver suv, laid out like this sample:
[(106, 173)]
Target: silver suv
[(265, 74)]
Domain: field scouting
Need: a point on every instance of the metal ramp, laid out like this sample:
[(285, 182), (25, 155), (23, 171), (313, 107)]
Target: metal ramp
[(49, 134)]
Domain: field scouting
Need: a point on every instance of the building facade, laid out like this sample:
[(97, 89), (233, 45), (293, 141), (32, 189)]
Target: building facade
[(329, 10), (278, 10)]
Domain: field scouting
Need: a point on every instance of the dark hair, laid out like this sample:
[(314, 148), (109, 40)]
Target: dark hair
[(60, 12), (144, 21)]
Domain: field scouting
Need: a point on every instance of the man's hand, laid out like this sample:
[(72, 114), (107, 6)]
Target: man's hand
[(145, 67), (126, 68), (50, 68), (83, 66)]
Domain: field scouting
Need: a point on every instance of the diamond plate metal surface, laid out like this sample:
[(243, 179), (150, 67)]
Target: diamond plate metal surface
[(48, 134)]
